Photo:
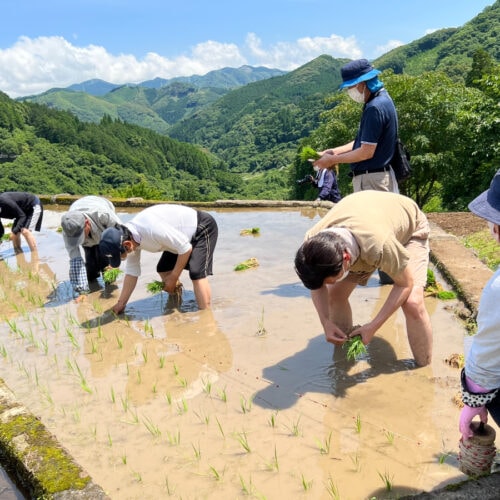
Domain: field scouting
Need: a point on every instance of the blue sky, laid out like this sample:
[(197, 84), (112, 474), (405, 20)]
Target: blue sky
[(54, 43)]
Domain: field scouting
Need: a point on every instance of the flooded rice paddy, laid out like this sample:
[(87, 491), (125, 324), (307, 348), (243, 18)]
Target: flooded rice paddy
[(247, 399)]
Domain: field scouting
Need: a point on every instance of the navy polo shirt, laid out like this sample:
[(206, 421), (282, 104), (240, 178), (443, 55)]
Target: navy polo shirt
[(379, 125)]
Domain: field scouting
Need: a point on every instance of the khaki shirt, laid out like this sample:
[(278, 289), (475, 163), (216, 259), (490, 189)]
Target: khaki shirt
[(382, 223)]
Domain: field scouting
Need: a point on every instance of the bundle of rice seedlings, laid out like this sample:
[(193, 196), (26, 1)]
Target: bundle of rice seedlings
[(253, 230), (308, 153), (354, 345), (111, 275), (154, 286), (247, 264)]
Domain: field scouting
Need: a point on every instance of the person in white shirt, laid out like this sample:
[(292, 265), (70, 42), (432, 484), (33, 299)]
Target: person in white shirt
[(480, 377), (185, 236), (83, 225)]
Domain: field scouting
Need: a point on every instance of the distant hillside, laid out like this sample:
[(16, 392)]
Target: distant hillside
[(448, 50), (156, 104), (257, 127)]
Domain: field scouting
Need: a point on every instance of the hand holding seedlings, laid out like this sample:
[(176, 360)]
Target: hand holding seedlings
[(354, 345)]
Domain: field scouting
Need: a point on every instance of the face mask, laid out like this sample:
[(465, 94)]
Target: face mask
[(344, 275), (356, 95), (316, 169)]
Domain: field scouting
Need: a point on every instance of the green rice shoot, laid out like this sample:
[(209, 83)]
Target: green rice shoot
[(155, 286), (308, 153), (355, 347), (111, 275)]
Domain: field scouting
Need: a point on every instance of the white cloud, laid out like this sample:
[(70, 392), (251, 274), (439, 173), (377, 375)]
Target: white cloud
[(383, 49), (34, 65)]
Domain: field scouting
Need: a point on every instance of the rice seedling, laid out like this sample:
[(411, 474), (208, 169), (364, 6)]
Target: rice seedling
[(246, 404), (174, 439), (138, 476), (306, 485), (168, 398), (182, 407), (254, 231), (354, 347), (332, 489), (357, 423), (220, 428), (111, 275), (218, 476), (204, 419), (124, 459), (152, 427), (261, 329), (110, 440), (223, 395), (308, 153), (241, 437), (274, 465), (390, 436), (207, 387), (272, 419), (197, 451), (148, 329), (139, 376), (161, 360), (3, 351), (248, 489), (119, 341), (176, 370), (113, 396), (125, 403), (295, 428), (145, 357), (247, 264), (324, 447), (183, 382), (154, 388), (170, 490), (356, 462), (72, 338), (155, 287), (442, 458), (387, 480)]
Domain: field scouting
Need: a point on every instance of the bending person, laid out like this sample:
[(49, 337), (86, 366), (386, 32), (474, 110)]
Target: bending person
[(365, 231), (185, 236), (83, 225), (27, 211)]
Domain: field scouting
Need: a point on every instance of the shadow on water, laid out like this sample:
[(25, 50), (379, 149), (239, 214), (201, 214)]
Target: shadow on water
[(291, 378)]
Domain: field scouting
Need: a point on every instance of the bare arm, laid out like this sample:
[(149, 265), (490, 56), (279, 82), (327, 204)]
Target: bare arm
[(329, 159), (129, 283)]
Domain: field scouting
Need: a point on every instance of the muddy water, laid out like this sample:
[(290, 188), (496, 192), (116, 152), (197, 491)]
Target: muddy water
[(247, 398)]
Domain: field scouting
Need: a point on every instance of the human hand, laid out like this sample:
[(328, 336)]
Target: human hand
[(170, 284), (466, 416), (335, 335), (364, 331), (119, 307)]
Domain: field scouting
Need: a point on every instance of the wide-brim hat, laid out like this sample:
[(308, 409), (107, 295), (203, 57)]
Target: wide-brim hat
[(357, 71), (487, 204), (73, 225), (111, 245)]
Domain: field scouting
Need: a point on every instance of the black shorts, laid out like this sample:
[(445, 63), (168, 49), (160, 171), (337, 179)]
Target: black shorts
[(203, 242)]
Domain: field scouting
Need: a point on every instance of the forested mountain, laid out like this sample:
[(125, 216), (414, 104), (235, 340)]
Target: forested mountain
[(449, 50), (247, 138), (49, 151), (257, 127), (156, 104)]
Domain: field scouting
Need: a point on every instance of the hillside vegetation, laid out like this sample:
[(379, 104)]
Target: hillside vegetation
[(200, 142)]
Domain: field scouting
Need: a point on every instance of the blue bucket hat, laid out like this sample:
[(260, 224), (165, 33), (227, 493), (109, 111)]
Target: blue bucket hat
[(487, 204), (357, 71), (111, 245)]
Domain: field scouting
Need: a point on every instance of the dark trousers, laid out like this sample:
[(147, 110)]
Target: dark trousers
[(94, 262)]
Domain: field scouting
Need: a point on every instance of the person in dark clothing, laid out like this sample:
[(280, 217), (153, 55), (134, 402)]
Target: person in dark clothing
[(27, 211), (326, 182)]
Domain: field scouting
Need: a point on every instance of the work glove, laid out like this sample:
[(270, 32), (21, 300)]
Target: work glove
[(475, 399), (466, 416)]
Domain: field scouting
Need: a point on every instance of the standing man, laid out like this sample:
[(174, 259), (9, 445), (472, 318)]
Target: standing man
[(27, 212), (185, 236), (366, 231), (83, 225), (481, 375), (370, 154)]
